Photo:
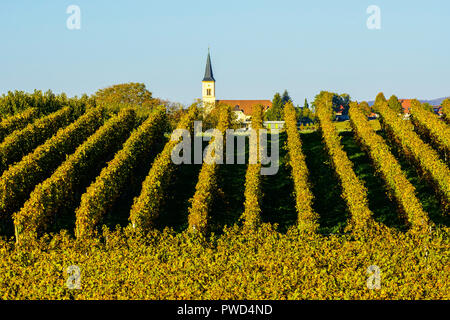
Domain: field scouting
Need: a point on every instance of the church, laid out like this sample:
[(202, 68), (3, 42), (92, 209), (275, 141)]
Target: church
[(242, 108)]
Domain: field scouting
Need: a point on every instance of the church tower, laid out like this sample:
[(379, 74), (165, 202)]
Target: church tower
[(208, 86)]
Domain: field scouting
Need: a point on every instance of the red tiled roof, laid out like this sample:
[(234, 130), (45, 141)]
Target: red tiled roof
[(406, 104), (246, 105)]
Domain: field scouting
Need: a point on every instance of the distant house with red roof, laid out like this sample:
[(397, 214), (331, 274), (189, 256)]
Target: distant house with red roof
[(244, 108), (438, 111), (340, 111), (406, 104)]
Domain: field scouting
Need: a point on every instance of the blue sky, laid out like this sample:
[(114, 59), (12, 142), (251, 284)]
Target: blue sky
[(257, 47)]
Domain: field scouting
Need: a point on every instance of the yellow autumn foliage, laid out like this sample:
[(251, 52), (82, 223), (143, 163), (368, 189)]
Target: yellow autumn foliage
[(17, 122), (107, 187), (389, 168), (307, 218), (19, 180), (401, 132), (49, 196), (206, 187), (353, 190), (146, 206)]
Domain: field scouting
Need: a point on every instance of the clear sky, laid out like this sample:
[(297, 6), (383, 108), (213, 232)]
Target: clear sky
[(257, 47)]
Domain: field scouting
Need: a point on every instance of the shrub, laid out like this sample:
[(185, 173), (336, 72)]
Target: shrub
[(402, 133), (253, 193), (102, 193), (17, 122), (307, 218), (22, 142), (390, 170), (17, 182), (353, 190), (146, 206), (206, 187), (52, 194)]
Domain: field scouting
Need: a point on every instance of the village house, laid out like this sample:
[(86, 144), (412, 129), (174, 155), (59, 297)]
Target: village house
[(406, 104)]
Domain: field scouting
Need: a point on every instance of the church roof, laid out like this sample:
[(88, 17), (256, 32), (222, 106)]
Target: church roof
[(246, 106), (208, 71)]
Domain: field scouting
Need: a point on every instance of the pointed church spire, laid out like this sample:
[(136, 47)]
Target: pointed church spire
[(208, 71)]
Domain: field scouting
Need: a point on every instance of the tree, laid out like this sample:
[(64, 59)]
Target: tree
[(395, 105), (366, 109), (380, 98), (275, 112), (306, 105), (306, 113), (339, 101), (299, 112), (326, 97), (126, 94), (175, 112), (286, 98), (46, 102)]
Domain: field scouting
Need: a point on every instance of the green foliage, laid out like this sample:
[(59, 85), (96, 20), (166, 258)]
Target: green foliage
[(22, 142), (394, 104), (429, 125), (365, 108), (380, 98), (446, 108), (52, 194), (253, 194), (275, 113), (307, 218), (285, 98), (174, 114), (306, 114), (390, 170), (17, 122), (146, 207), (353, 190), (428, 107), (341, 100), (211, 119), (102, 193), (127, 95), (306, 104), (18, 101), (201, 202), (260, 265), (207, 188), (336, 102), (420, 153), (144, 263), (17, 182)]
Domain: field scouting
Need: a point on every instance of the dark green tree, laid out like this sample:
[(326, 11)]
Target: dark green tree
[(395, 105), (341, 100), (299, 112), (275, 112), (285, 98)]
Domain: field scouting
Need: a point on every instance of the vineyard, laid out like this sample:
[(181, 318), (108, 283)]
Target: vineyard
[(96, 187)]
